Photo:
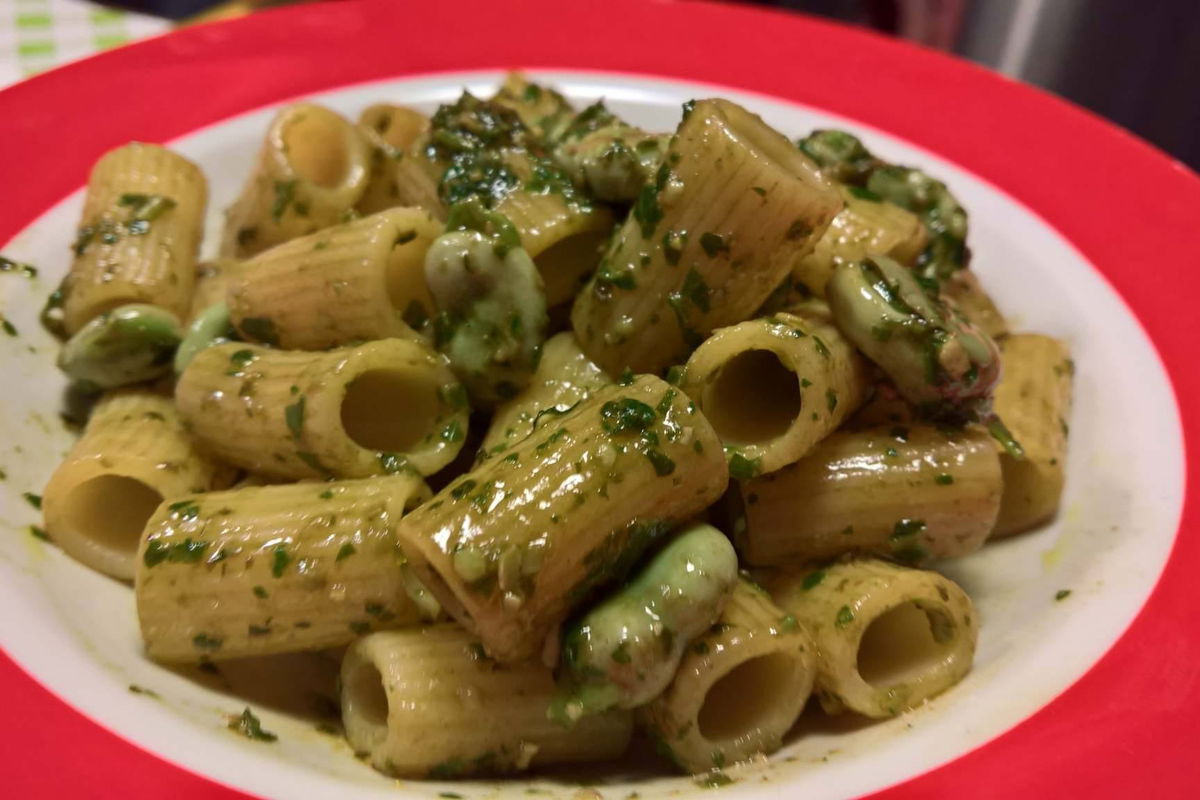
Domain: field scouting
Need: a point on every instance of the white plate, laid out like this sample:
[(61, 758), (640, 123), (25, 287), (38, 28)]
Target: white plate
[(76, 631)]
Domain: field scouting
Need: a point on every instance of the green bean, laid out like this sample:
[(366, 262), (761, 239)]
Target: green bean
[(937, 360), (625, 651), (130, 344), (211, 326), (491, 318)]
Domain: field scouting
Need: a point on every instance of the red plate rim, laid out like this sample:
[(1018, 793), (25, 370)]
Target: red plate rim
[(1129, 208)]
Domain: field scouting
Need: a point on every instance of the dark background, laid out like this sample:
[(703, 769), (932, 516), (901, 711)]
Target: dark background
[(1136, 62)]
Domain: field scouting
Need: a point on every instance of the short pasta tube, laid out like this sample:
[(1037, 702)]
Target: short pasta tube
[(731, 210), (867, 225), (564, 238), (312, 169), (739, 689), (274, 569), (1034, 400), (428, 703), (358, 280), (381, 407), (512, 546), (775, 386), (542, 110), (143, 218), (887, 638), (968, 295), (564, 377), (394, 180), (910, 493), (133, 453)]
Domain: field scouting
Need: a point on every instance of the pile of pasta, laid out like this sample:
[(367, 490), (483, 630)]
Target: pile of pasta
[(561, 428)]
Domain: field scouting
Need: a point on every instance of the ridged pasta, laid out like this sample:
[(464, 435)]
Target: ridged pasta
[(274, 569), (134, 452), (905, 492), (312, 170), (350, 282), (541, 109), (775, 386), (867, 225), (887, 638), (564, 377), (143, 218), (731, 211), (1034, 400), (963, 287), (428, 703), (739, 689), (380, 407), (391, 132), (511, 547)]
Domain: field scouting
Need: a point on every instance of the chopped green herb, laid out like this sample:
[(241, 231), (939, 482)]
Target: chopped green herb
[(812, 579), (626, 414), (798, 230), (663, 465), (404, 237), (1062, 594), (713, 243), (452, 433), (741, 467), (293, 415), (204, 641), (34, 500), (38, 533), (831, 400), (260, 592), (280, 559), (285, 193), (185, 510), (8, 327), (345, 551), (261, 329), (249, 726), (943, 479), (188, 551), (844, 617), (8, 265)]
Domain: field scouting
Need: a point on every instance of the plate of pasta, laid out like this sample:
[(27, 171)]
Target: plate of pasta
[(416, 426)]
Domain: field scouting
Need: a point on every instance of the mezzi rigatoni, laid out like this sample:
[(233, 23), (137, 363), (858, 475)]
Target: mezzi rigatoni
[(1034, 400), (142, 221), (731, 210), (312, 169), (134, 452), (887, 637), (739, 689), (773, 387), (353, 412), (429, 703), (274, 569), (512, 546), (350, 282), (910, 492)]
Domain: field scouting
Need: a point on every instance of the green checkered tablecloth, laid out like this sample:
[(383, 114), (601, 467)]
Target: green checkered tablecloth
[(36, 35)]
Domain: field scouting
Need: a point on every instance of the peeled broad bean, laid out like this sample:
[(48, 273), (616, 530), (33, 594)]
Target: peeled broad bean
[(625, 651), (130, 344), (211, 326), (491, 305)]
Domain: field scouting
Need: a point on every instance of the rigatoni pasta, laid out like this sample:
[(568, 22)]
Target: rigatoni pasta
[(350, 282), (429, 703), (681, 265), (1034, 398), (143, 218), (293, 414), (134, 452), (887, 638), (775, 386), (312, 170), (632, 364), (271, 569), (905, 492), (739, 689), (510, 548)]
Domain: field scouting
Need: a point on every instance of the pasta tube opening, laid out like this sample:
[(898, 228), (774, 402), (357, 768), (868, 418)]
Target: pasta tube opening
[(316, 148), (754, 397), (559, 264), (902, 644), (746, 697), (389, 411), (364, 696), (112, 510)]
